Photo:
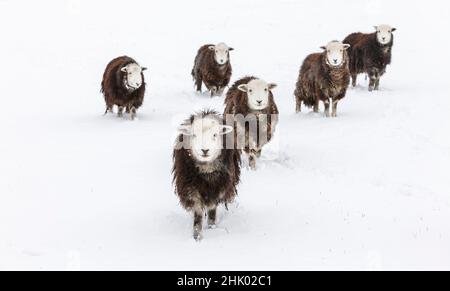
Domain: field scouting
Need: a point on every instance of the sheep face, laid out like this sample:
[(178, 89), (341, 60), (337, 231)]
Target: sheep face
[(384, 33), (335, 51), (133, 76), (257, 93), (205, 138), (221, 53)]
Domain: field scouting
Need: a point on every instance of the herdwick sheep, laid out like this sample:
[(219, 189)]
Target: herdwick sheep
[(123, 85), (250, 105), (370, 54), (212, 66), (323, 76), (205, 173)]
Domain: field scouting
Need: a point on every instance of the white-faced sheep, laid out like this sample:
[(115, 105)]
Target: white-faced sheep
[(205, 173), (370, 54), (324, 77), (123, 85), (213, 68), (250, 105)]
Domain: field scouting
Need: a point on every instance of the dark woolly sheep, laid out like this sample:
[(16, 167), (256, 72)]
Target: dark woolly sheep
[(370, 54), (251, 107), (323, 76), (123, 85), (205, 173), (212, 66)]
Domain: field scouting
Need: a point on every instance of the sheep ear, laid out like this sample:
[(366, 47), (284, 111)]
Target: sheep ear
[(185, 129), (232, 49), (323, 47), (226, 129), (376, 27), (393, 29), (124, 69), (212, 47), (243, 87), (272, 86), (346, 46), (144, 69)]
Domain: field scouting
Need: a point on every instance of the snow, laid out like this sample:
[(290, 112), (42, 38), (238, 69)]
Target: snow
[(79, 190)]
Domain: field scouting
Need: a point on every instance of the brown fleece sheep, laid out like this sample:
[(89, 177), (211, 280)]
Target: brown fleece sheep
[(322, 77), (205, 173), (252, 99), (212, 66), (123, 85), (370, 54)]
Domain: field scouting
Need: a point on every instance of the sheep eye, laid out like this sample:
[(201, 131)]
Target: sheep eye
[(215, 135), (265, 89), (250, 91)]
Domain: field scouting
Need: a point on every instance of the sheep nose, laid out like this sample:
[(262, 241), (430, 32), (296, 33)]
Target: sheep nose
[(259, 101), (335, 61), (205, 152)]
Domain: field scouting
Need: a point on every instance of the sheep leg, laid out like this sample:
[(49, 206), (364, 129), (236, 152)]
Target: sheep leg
[(198, 83), (354, 77), (133, 112), (298, 106), (334, 111), (120, 111), (109, 109), (198, 221), (377, 84), (252, 160), (371, 84), (316, 105), (212, 217), (213, 91), (327, 107), (373, 76)]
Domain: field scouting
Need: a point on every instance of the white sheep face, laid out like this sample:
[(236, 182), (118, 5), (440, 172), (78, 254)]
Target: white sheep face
[(133, 75), (205, 138), (335, 53), (221, 53), (384, 33), (258, 93)]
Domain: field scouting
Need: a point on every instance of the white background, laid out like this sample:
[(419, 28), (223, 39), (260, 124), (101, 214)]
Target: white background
[(78, 190)]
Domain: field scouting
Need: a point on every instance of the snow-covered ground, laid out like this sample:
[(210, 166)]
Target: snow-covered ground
[(78, 190)]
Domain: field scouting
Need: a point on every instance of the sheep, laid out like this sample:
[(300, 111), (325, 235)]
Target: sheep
[(123, 85), (370, 54), (212, 67), (251, 106), (205, 173), (324, 76)]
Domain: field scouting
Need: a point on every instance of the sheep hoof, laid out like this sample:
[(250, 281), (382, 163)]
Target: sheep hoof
[(212, 226), (197, 236)]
